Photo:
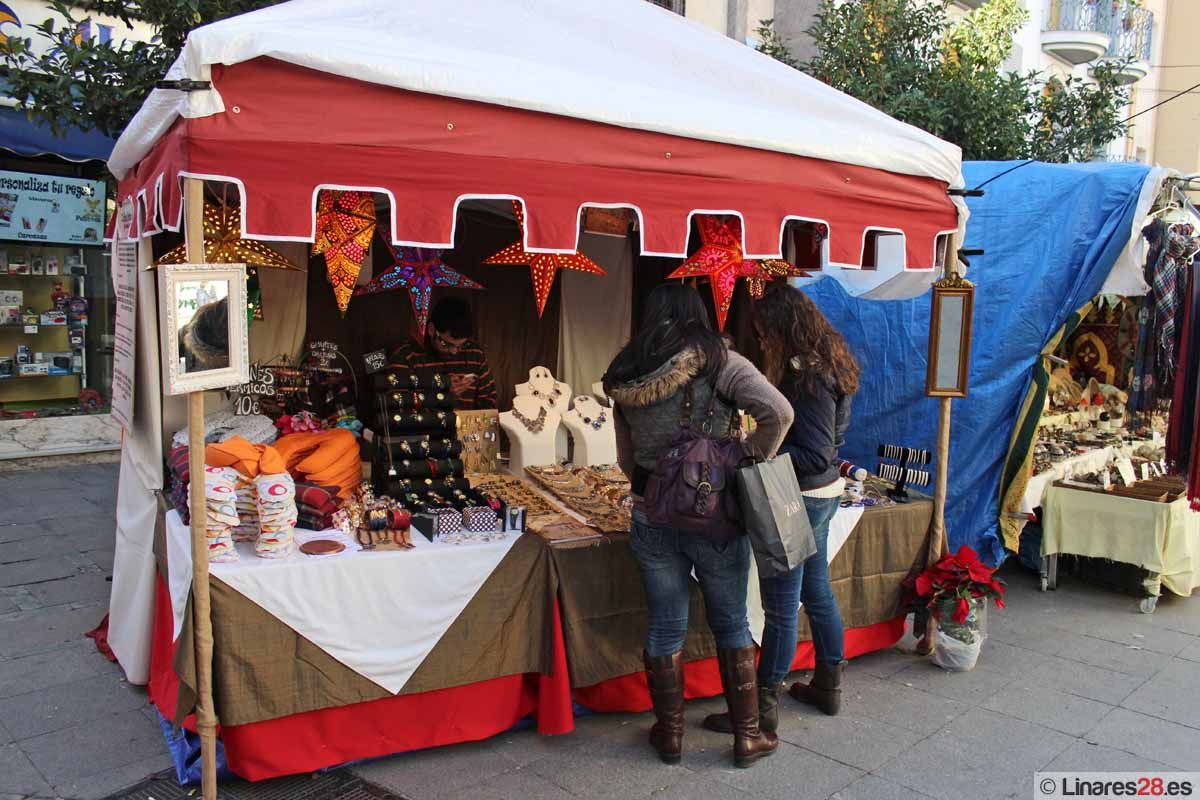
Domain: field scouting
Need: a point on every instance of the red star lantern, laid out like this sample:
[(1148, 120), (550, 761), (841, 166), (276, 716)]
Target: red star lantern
[(543, 266), (345, 225), (720, 258), (418, 271)]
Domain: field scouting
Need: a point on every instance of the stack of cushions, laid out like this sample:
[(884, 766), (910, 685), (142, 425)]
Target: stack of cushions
[(326, 458), (316, 505), (261, 468), (247, 507), (276, 514), (221, 505)]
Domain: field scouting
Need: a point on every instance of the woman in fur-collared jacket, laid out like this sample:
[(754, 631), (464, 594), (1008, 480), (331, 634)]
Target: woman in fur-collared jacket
[(675, 348)]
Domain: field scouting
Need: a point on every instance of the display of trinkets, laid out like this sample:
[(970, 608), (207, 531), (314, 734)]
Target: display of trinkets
[(534, 425), (420, 400), (417, 379), (479, 434), (601, 495), (480, 519), (513, 492)]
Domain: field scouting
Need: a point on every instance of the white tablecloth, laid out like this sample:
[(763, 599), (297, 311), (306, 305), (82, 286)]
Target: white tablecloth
[(379, 613), (840, 528)]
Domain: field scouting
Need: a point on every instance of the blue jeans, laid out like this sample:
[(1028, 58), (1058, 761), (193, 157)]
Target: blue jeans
[(808, 583), (666, 558)]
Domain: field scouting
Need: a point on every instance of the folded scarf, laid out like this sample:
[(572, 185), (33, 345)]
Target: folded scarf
[(248, 459)]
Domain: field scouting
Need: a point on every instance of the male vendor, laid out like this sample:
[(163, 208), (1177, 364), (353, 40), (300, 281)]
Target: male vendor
[(449, 348)]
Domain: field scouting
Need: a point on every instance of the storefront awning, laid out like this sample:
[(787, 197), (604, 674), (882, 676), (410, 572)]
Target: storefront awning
[(27, 138)]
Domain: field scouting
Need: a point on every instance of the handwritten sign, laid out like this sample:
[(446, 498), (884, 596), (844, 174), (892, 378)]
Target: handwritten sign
[(249, 395), (375, 360), (124, 277)]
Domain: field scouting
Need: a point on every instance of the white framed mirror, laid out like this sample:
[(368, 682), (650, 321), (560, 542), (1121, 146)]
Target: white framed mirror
[(202, 326)]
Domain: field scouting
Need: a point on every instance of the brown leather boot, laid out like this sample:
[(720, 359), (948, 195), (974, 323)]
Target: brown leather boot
[(768, 713), (738, 676), (824, 690), (664, 674)]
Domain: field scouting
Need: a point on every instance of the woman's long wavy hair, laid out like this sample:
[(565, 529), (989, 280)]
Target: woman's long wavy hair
[(795, 336)]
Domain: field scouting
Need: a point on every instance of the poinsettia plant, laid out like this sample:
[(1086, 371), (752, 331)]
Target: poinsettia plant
[(955, 580)]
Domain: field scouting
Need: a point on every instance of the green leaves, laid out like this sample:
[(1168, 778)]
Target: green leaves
[(78, 82), (911, 61)]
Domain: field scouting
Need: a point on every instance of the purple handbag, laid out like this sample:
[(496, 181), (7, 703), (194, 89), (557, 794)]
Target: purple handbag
[(693, 487)]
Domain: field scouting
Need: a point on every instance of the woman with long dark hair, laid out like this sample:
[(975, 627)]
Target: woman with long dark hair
[(812, 366), (675, 356)]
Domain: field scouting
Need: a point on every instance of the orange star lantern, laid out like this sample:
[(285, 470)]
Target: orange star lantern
[(345, 225), (769, 269), (542, 266), (223, 242)]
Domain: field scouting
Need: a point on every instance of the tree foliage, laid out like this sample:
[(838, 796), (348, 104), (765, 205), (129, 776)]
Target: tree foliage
[(909, 59), (73, 81)]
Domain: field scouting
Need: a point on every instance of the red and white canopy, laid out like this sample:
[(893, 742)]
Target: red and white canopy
[(559, 104)]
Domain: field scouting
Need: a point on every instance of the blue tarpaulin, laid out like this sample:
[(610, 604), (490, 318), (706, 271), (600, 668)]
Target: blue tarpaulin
[(1051, 233), (26, 138)]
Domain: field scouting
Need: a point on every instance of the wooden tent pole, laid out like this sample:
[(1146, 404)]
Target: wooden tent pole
[(937, 527), (206, 716)]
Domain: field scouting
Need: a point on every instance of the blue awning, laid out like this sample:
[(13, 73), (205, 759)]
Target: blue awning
[(26, 138)]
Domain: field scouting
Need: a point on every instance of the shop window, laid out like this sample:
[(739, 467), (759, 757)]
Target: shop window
[(883, 250), (56, 298)]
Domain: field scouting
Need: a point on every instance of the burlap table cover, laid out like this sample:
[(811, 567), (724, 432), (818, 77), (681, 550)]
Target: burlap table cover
[(603, 606), (263, 669)]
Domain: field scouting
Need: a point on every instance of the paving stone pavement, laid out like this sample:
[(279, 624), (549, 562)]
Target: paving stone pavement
[(1070, 680)]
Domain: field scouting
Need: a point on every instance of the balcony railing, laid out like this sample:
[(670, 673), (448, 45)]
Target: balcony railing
[(1078, 15), (1132, 32), (1077, 30)]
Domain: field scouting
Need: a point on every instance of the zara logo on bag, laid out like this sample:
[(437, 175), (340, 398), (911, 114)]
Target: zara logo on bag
[(793, 508)]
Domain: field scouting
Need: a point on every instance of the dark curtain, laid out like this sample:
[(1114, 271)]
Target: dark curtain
[(506, 321)]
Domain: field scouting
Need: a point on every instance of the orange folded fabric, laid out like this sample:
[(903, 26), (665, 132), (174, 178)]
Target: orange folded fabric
[(328, 458), (248, 459)]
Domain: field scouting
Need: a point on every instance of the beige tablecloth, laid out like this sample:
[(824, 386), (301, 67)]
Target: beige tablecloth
[(1163, 538)]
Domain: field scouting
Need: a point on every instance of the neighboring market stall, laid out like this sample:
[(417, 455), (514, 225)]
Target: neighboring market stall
[(490, 163), (1065, 270)]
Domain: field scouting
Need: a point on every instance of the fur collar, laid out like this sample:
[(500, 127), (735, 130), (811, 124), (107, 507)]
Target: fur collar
[(660, 384)]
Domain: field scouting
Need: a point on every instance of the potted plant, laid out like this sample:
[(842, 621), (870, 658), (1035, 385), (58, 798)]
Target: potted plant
[(956, 590)]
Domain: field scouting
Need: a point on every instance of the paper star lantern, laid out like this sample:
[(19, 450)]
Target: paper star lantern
[(345, 225), (769, 269), (223, 242), (720, 259), (542, 266), (418, 271)]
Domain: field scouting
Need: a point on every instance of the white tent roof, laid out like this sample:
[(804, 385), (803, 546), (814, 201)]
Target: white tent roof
[(620, 62)]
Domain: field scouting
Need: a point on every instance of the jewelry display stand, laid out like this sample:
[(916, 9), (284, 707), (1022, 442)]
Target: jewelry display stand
[(591, 428), (554, 395), (598, 393), (530, 447)]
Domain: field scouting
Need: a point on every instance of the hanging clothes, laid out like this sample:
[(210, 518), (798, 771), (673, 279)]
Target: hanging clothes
[(1180, 424), (1143, 386)]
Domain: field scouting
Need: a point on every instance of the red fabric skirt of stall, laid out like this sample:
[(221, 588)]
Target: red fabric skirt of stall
[(702, 679), (317, 739)]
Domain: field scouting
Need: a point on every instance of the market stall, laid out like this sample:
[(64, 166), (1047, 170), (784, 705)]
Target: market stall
[(397, 187)]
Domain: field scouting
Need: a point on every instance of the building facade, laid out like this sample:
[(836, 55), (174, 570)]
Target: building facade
[(56, 295), (1060, 38)]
